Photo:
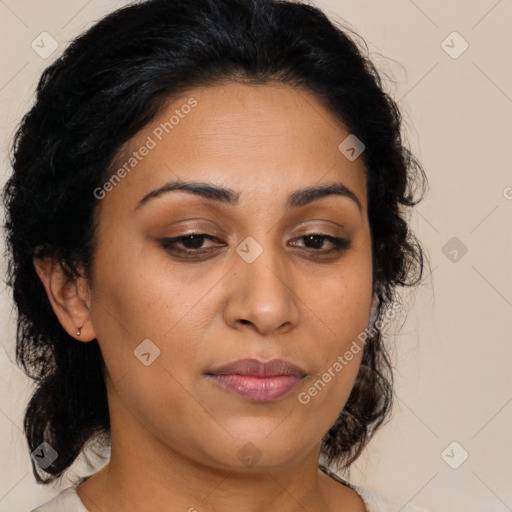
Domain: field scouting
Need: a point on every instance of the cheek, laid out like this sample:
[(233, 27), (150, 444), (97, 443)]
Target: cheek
[(339, 351), (143, 320), (158, 397), (140, 306), (341, 306), (342, 302)]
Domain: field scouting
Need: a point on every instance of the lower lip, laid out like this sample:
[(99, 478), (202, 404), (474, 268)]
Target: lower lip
[(258, 389)]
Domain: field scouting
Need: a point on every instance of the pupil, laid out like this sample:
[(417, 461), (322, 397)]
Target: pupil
[(194, 241), (315, 238)]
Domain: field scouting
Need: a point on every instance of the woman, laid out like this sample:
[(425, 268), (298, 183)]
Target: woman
[(206, 232)]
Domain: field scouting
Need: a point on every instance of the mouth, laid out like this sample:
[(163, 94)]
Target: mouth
[(258, 381)]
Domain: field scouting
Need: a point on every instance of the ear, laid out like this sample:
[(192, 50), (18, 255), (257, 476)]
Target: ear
[(69, 297)]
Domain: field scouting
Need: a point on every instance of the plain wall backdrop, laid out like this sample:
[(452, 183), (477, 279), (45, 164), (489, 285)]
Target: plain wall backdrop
[(448, 445)]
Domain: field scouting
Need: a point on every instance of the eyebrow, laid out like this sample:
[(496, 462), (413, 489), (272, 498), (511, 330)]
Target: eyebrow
[(300, 197)]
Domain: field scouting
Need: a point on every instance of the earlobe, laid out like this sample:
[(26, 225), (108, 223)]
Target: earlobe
[(68, 297)]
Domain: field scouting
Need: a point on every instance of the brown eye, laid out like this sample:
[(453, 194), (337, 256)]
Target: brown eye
[(191, 245), (315, 242)]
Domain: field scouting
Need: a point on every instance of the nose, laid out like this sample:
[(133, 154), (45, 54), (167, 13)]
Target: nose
[(263, 294)]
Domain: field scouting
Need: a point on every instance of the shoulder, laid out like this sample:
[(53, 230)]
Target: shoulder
[(378, 502), (66, 501), (374, 501)]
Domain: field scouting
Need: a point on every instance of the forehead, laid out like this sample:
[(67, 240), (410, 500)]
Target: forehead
[(258, 139)]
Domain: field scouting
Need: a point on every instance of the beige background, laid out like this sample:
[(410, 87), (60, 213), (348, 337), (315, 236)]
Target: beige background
[(454, 351)]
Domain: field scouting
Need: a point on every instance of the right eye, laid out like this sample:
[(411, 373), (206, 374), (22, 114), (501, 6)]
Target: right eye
[(192, 244)]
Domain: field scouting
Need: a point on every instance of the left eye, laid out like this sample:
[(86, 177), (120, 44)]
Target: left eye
[(316, 241)]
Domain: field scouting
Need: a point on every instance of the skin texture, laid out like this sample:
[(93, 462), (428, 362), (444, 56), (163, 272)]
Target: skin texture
[(175, 434)]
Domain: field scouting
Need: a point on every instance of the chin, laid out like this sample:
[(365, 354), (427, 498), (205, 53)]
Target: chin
[(260, 454)]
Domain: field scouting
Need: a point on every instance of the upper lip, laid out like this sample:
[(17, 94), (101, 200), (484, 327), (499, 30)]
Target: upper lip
[(272, 368)]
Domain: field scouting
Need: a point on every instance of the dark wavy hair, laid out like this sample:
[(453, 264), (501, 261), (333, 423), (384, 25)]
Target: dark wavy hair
[(110, 83)]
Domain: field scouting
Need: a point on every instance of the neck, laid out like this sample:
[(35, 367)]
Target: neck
[(147, 474), (185, 486)]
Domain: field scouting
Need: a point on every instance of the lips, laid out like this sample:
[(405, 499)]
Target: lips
[(259, 381)]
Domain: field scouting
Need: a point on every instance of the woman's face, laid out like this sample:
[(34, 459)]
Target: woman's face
[(168, 315)]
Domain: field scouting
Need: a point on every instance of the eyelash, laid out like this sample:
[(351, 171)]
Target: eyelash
[(340, 244)]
